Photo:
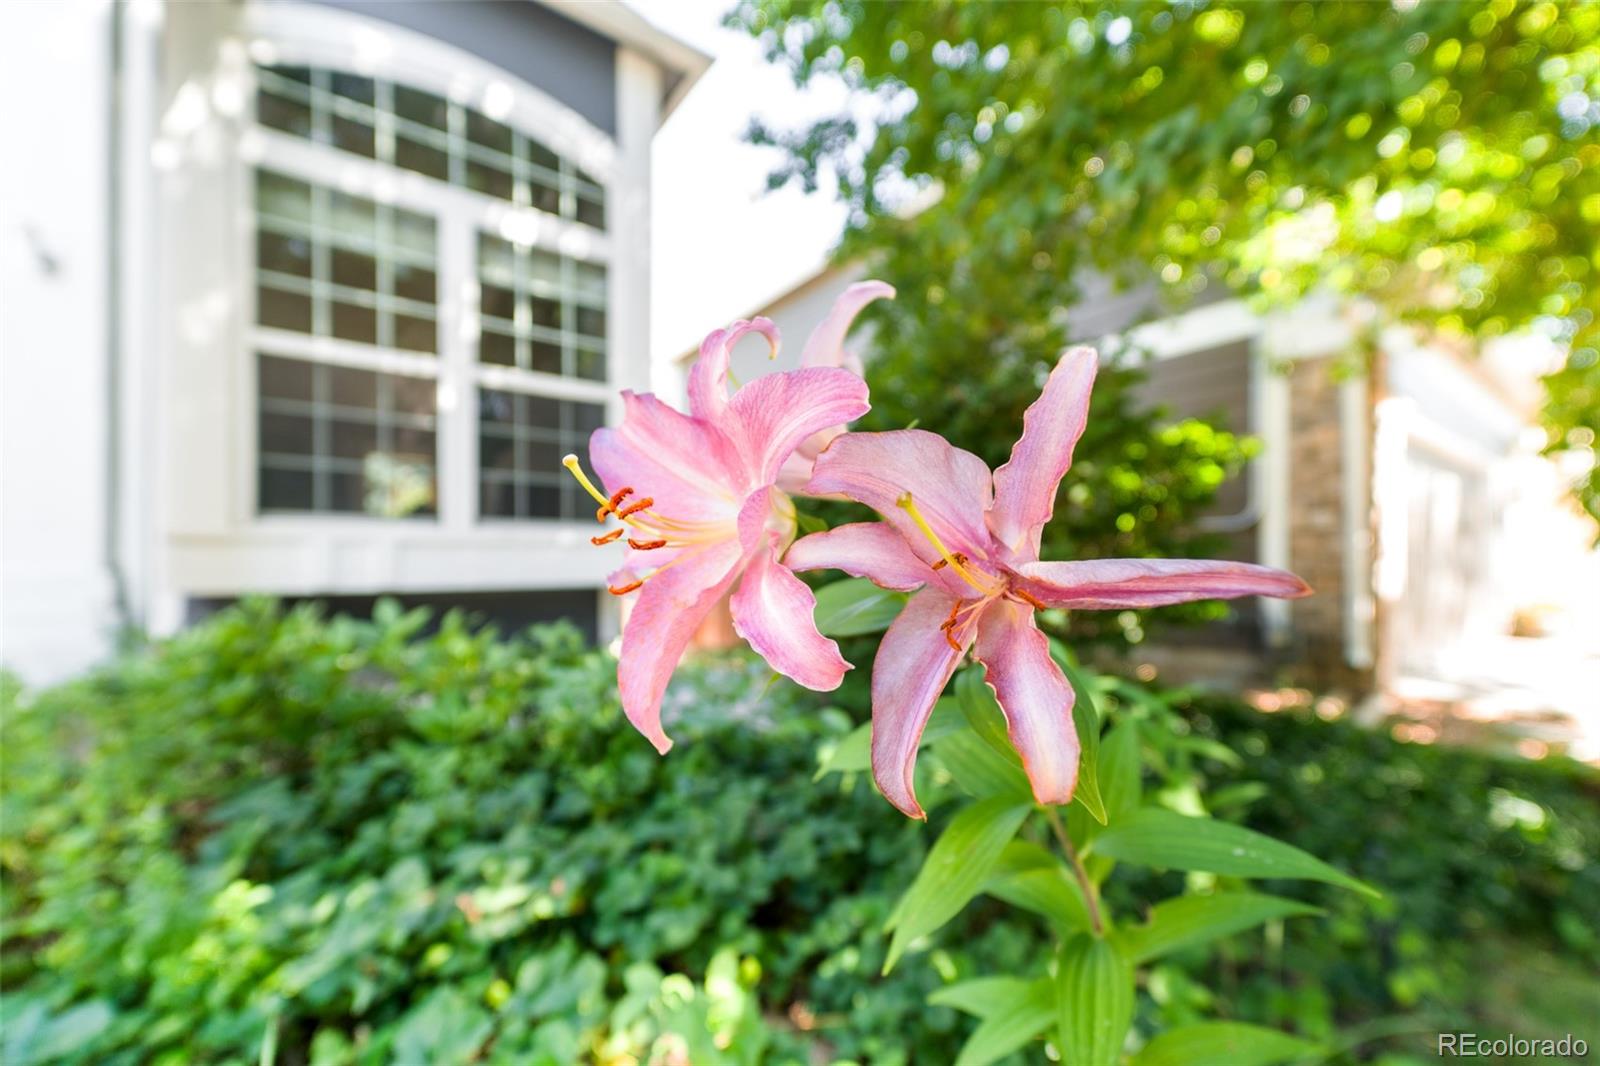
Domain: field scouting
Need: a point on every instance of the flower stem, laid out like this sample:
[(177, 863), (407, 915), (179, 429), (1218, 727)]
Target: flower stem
[(1091, 898)]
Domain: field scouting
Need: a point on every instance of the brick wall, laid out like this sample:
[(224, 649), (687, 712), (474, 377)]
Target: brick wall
[(1316, 547)]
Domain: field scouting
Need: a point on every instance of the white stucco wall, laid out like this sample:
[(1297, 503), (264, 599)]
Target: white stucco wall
[(56, 602)]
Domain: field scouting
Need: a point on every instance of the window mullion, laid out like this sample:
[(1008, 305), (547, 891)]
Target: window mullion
[(458, 393)]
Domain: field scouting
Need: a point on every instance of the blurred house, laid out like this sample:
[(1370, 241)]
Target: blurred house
[(311, 298), (1410, 496)]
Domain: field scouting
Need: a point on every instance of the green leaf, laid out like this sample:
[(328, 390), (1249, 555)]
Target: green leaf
[(809, 523), (1189, 920), (1094, 1001), (1119, 771), (856, 606), (979, 770), (1049, 890), (981, 997), (1026, 1012), (983, 714), (956, 867), (1160, 838), (1086, 718), (852, 753), (1223, 1044)]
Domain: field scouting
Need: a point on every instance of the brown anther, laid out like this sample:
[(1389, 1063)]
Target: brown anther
[(950, 637), (941, 564), (618, 496), (608, 538), (960, 557), (645, 545), (625, 589), (633, 508), (601, 512), (1029, 598)]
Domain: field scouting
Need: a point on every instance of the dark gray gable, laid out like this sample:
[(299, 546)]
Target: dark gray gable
[(572, 63)]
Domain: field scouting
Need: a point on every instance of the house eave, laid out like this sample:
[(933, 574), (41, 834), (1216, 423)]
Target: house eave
[(682, 63)]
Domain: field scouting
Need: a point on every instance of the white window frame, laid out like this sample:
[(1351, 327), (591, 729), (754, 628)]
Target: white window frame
[(305, 35)]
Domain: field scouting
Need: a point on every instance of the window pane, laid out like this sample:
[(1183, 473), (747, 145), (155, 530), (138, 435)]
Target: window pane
[(415, 334), (422, 158), (415, 283), (544, 267), (284, 490), (545, 312), (285, 434), (353, 216), (414, 232), (499, 302), (591, 321), (544, 157), (495, 452), (420, 107), (283, 197), (591, 365), (486, 131), (352, 322), (286, 255), (288, 379), (545, 197), (283, 310), (497, 498), (349, 387), (497, 348), (591, 212), (487, 179), (542, 501), (352, 87), (282, 113), (355, 269), (353, 136), (544, 357), (353, 440)]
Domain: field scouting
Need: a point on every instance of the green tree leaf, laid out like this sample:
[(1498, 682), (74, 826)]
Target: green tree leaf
[(1188, 920), (956, 867), (1163, 839), (1094, 988), (854, 607), (1029, 877), (1223, 1044)]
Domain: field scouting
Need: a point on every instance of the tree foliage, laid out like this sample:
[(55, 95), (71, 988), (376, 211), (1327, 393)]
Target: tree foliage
[(1439, 159)]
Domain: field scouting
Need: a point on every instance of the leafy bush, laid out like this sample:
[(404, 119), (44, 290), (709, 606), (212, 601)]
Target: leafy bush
[(351, 843), (339, 841)]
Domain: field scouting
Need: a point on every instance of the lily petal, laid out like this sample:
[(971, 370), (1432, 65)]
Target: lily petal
[(825, 346), (769, 417), (951, 487), (1025, 487), (1036, 698), (1112, 584), (862, 549), (669, 610), (773, 609), (689, 466), (708, 378), (914, 662)]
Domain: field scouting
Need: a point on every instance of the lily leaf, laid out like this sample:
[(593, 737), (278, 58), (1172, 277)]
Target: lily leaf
[(954, 870), (1163, 839), (1189, 920), (1094, 986), (1223, 1044), (856, 606)]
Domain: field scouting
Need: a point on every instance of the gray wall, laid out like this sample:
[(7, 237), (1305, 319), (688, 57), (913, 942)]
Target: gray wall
[(572, 63)]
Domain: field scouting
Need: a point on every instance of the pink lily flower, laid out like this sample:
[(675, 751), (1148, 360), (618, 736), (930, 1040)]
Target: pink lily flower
[(825, 347), (697, 499), (969, 543)]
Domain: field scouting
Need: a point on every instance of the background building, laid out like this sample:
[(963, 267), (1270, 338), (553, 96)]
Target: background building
[(1400, 476), (310, 298)]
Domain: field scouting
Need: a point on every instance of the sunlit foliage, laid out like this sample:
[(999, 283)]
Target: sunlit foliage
[(1438, 158)]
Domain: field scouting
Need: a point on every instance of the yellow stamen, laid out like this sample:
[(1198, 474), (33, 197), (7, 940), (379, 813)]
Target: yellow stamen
[(608, 504), (951, 559)]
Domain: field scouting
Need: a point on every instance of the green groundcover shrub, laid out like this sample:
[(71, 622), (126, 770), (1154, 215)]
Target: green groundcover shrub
[(282, 838)]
